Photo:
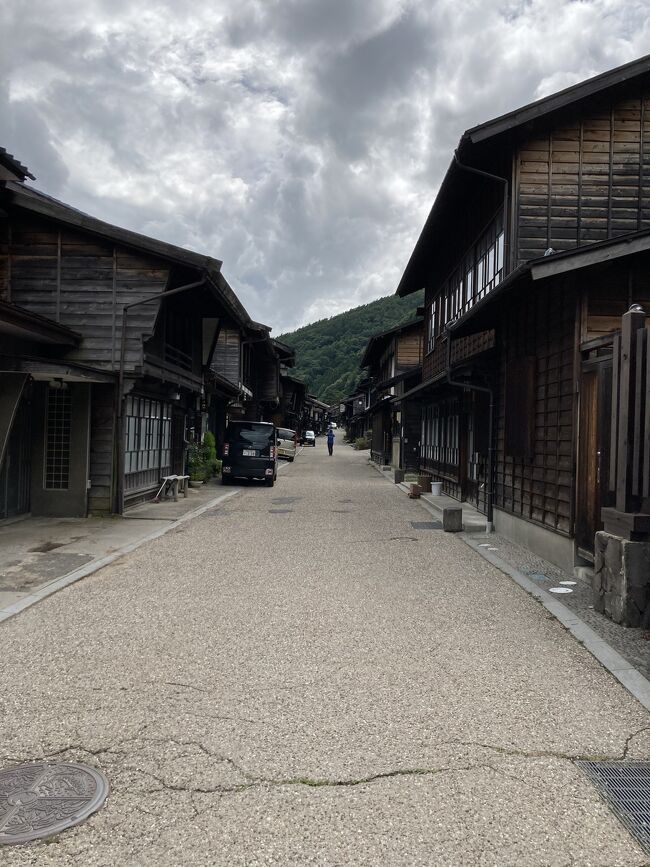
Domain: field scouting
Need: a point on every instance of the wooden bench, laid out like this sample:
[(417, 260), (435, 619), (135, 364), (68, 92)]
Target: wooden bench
[(175, 484)]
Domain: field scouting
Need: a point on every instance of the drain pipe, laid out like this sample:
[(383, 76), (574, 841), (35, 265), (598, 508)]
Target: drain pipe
[(489, 524), (121, 428)]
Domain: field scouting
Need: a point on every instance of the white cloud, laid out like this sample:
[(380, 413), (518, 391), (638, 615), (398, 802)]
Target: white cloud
[(300, 141)]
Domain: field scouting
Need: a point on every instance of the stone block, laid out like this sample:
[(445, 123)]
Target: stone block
[(399, 476), (452, 519), (415, 492), (621, 582), (425, 484)]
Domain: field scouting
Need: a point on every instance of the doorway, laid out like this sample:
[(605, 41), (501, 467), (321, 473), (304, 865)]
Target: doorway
[(594, 420)]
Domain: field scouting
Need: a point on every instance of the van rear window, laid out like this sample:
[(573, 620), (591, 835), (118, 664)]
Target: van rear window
[(249, 432)]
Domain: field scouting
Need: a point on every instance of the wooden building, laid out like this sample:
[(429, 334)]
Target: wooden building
[(393, 363), (102, 381), (533, 249)]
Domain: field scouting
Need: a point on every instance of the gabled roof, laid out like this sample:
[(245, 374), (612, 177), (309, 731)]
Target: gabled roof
[(10, 162), (475, 141), (36, 202), (561, 99), (377, 341)]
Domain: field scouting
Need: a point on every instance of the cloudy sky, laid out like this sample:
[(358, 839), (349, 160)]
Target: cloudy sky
[(300, 141)]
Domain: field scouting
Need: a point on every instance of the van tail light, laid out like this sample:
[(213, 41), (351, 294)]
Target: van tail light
[(226, 450), (272, 452)]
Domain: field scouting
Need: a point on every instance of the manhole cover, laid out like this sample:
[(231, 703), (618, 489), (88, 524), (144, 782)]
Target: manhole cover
[(345, 501), (626, 789), (426, 525), (43, 799), (403, 539), (284, 501)]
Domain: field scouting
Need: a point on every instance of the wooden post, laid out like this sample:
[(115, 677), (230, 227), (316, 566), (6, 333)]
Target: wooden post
[(630, 324)]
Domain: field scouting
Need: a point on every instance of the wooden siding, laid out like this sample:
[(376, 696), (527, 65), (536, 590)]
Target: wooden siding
[(82, 282), (609, 293), (225, 360), (409, 350), (585, 181), (540, 487), (102, 433)]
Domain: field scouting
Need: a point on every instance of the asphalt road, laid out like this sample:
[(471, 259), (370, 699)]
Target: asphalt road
[(301, 677)]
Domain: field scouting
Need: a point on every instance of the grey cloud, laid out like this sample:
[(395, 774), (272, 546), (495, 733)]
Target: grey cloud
[(301, 141)]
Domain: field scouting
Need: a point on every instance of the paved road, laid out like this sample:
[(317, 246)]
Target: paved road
[(300, 677)]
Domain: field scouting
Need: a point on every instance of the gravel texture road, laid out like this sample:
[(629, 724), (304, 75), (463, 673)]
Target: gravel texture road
[(301, 677)]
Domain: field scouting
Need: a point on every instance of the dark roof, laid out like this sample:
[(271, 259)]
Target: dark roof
[(10, 162), (32, 326), (561, 99), (473, 143), (377, 340), (39, 203)]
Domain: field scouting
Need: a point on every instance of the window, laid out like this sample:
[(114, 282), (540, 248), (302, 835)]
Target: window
[(520, 408), (148, 442), (57, 444), (440, 437)]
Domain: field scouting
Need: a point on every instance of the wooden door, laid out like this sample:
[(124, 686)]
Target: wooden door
[(593, 453)]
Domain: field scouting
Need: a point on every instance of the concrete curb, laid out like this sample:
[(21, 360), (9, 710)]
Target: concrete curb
[(611, 659), (630, 677), (59, 583)]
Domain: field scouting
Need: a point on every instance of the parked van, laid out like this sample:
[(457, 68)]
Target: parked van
[(287, 443), (250, 452)]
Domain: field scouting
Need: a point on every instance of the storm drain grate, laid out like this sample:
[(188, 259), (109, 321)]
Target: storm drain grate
[(39, 800), (426, 525), (538, 576), (626, 789)]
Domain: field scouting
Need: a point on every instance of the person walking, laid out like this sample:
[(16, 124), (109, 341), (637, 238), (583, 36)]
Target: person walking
[(330, 440)]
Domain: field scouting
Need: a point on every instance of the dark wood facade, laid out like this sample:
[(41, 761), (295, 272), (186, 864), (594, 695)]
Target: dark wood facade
[(530, 309), (69, 285), (393, 361)]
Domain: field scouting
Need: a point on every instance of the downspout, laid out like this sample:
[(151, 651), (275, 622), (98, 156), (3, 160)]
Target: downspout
[(489, 524), (121, 449), (506, 187)]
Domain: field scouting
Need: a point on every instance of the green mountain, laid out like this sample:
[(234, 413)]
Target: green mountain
[(328, 351)]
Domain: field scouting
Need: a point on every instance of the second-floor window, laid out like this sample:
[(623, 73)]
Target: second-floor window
[(480, 271)]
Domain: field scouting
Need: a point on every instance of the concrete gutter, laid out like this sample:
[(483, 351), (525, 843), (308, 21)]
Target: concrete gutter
[(630, 677)]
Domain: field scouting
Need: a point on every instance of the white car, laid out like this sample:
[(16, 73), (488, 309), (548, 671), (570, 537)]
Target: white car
[(309, 438)]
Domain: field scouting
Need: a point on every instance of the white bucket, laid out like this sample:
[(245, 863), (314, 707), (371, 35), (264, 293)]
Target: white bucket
[(436, 488)]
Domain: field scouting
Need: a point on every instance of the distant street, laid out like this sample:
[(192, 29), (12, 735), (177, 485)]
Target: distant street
[(302, 677)]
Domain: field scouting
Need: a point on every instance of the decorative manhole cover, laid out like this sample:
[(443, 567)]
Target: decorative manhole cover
[(426, 525), (43, 799), (625, 786)]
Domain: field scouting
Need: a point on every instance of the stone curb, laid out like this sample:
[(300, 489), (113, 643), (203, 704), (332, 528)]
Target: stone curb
[(630, 677)]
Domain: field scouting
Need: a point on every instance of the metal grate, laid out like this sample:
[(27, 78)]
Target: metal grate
[(426, 525), (57, 447), (625, 787)]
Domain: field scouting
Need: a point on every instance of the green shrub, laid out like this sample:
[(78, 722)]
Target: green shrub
[(196, 464), (361, 443), (209, 454)]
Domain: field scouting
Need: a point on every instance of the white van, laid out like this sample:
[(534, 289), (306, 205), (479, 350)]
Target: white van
[(287, 443)]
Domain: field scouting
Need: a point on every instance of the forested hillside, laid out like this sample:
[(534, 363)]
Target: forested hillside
[(328, 351)]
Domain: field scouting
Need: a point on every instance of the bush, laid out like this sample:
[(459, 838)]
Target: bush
[(196, 465), (209, 454), (361, 443)]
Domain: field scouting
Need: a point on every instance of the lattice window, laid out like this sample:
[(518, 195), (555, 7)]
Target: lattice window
[(57, 443)]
